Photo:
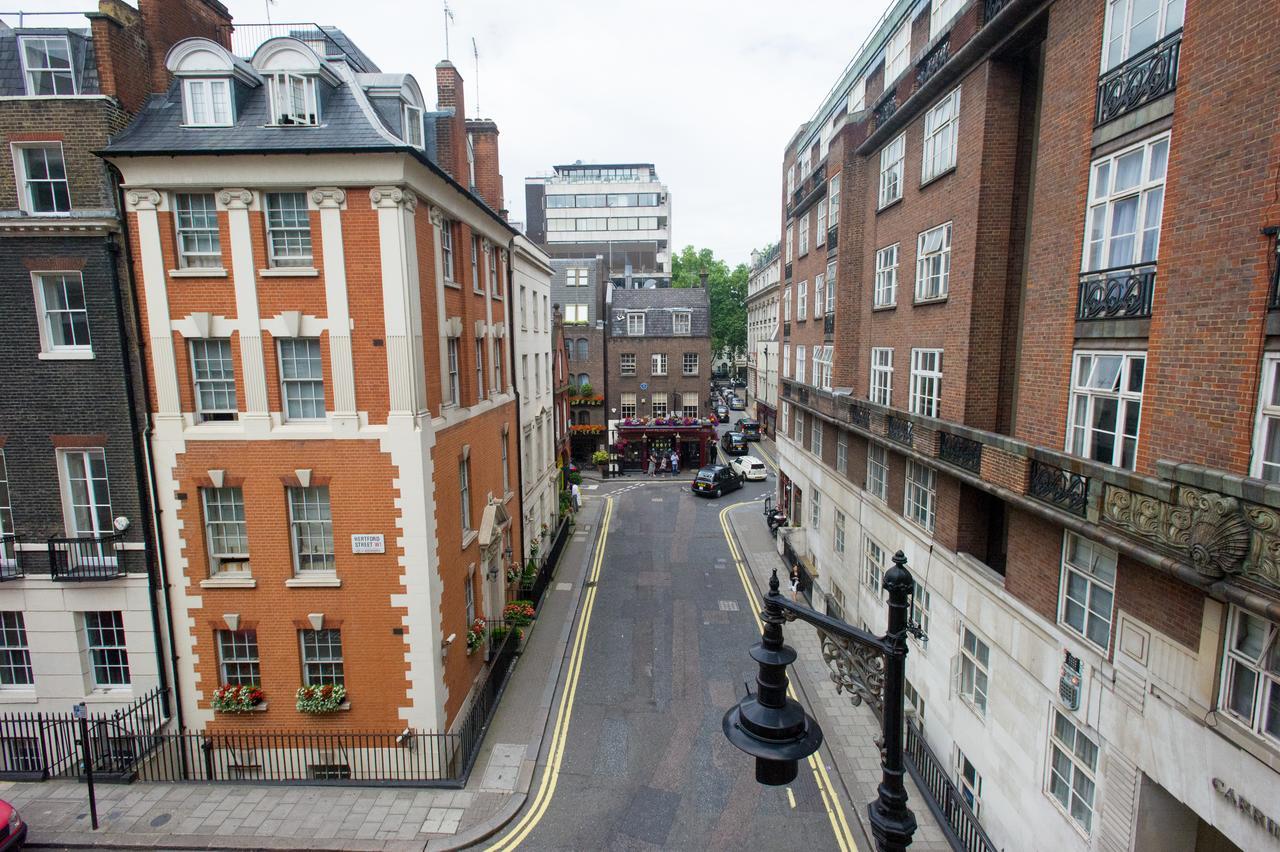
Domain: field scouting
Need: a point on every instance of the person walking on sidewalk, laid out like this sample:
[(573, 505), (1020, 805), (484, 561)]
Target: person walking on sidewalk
[(675, 463), (795, 584), (576, 495), (662, 465), (653, 463)]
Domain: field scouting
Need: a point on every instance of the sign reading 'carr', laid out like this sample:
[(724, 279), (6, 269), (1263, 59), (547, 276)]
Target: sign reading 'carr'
[(368, 543)]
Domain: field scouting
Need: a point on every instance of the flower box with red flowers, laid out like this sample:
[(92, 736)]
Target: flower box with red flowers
[(230, 698), (325, 698)]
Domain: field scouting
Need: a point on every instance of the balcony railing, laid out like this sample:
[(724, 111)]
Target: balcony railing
[(900, 430), (958, 821), (829, 324), (1062, 488), (1123, 292), (787, 270), (786, 329), (859, 416), (991, 8), (933, 61), (960, 451), (885, 109), (1151, 74), (10, 557), (802, 394), (833, 238), (87, 557)]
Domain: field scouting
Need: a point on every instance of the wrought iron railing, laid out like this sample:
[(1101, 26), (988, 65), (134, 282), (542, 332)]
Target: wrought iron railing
[(787, 270), (957, 820), (960, 451), (1140, 79), (245, 39), (10, 557), (859, 416), (833, 238), (829, 323), (991, 8), (1062, 488), (786, 328), (885, 109), (87, 557), (802, 394), (933, 61), (899, 430), (1122, 292)]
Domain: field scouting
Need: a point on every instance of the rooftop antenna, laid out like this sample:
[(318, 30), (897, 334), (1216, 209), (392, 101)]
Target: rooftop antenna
[(476, 52), (269, 4), (448, 16)]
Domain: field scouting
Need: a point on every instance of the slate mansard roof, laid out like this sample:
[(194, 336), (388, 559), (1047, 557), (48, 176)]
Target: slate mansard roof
[(84, 64), (658, 305)]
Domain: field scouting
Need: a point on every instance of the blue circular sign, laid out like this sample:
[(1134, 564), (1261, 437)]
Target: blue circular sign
[(644, 386)]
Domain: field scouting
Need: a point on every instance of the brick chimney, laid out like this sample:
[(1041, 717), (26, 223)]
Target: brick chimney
[(451, 131), (484, 146), (702, 279), (167, 22)]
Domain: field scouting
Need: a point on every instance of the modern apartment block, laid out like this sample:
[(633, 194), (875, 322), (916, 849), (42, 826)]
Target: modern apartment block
[(82, 602), (763, 295), (1029, 338), (618, 211), (579, 288), (324, 280)]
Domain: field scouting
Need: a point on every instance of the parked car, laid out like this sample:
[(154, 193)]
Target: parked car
[(750, 429), (722, 413), (733, 444), (738, 404), (13, 831), (714, 480), (749, 467)]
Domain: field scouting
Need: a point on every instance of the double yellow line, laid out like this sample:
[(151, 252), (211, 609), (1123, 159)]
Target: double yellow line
[(830, 797), (551, 772)]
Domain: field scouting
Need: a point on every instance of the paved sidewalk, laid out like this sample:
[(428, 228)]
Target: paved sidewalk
[(397, 819), (850, 732)]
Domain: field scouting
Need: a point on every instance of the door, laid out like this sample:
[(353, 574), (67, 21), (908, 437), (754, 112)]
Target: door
[(89, 504)]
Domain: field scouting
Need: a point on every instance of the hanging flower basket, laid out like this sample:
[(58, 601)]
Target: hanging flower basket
[(518, 613), (475, 635), (321, 699), (229, 698)]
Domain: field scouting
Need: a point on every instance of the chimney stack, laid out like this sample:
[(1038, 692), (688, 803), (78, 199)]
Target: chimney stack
[(451, 130), (702, 279), (484, 145)]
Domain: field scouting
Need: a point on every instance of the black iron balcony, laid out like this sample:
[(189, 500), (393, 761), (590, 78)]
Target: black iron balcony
[(819, 174), (802, 394), (1139, 80), (933, 61), (1062, 488), (960, 451), (900, 430), (991, 8), (886, 108), (786, 328), (786, 389), (829, 323), (87, 557), (833, 238), (859, 416), (787, 270), (1123, 292), (1273, 302), (10, 557)]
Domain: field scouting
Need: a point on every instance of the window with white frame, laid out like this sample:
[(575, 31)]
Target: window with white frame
[(798, 434), (8, 547), (897, 53), (833, 201), (789, 242), (226, 533), (446, 254), (974, 668), (213, 374), (786, 305), (412, 120), (831, 287), (1126, 203), (635, 323), (1134, 25), (842, 452), (815, 509), (819, 294), (108, 649), (506, 467), (681, 322), (803, 249), (786, 360), (689, 405), (933, 263), (658, 403), (46, 65), (800, 363), (576, 278), (455, 383), (926, 382), (479, 368), (1088, 589), (575, 313), (822, 358), (65, 317), (15, 656), (464, 493), (1266, 434), (1073, 769), (1251, 674), (920, 496), (475, 265), (288, 229), (658, 364), (786, 418), (877, 471), (238, 657), (940, 14), (301, 378), (920, 604), (802, 301), (815, 436), (691, 363), (88, 491), (497, 358), (491, 264), (196, 220), (293, 99), (837, 541), (820, 238), (892, 157), (207, 103), (886, 290), (627, 363), (791, 181), (311, 524), (873, 559), (628, 405), (941, 137), (322, 657), (1106, 406), (969, 781), (42, 175), (881, 375)]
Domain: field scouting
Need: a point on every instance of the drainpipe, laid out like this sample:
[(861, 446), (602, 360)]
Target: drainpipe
[(144, 464), (515, 387)]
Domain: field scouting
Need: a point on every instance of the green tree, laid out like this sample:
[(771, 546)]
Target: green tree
[(727, 291)]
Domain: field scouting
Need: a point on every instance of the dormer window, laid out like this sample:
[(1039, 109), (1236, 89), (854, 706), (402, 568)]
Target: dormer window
[(413, 126), (46, 64), (293, 99), (206, 103)]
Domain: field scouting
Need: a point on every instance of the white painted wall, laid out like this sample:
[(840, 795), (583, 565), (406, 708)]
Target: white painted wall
[(531, 269)]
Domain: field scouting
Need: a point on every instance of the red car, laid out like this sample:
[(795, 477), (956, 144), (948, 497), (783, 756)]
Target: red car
[(13, 831)]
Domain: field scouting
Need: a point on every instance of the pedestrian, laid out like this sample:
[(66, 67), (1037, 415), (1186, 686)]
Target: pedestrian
[(795, 584), (675, 463), (576, 494), (653, 463), (662, 464)]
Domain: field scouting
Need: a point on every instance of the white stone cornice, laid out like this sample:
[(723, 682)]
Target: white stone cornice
[(143, 199), (393, 196), (235, 199), (328, 196)]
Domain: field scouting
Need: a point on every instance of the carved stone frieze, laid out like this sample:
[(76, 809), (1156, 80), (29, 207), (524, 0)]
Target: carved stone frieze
[(1218, 535), (235, 199)]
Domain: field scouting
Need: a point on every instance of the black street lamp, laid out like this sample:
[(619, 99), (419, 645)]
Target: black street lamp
[(775, 730)]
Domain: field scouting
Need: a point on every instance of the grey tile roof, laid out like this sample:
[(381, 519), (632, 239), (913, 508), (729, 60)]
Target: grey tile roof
[(84, 63), (658, 305)]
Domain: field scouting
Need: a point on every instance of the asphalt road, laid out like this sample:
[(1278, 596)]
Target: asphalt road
[(645, 765)]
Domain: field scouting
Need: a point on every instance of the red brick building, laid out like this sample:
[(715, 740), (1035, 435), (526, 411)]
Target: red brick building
[(1029, 265)]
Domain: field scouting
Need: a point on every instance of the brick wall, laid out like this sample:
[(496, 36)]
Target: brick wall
[(168, 22), (484, 141), (451, 131), (81, 126), (673, 384)]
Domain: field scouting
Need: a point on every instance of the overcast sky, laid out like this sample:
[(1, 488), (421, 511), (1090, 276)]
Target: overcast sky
[(708, 90)]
